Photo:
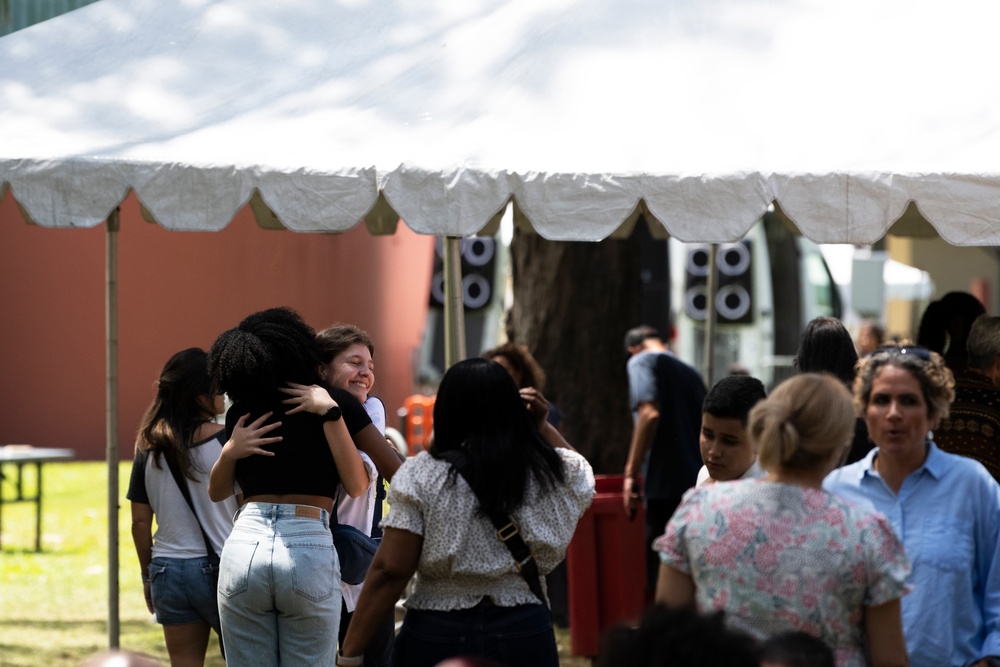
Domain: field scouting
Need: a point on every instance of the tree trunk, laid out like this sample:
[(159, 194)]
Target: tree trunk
[(573, 303)]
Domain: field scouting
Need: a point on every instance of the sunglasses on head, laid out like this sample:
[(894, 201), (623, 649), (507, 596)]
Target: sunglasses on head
[(921, 353)]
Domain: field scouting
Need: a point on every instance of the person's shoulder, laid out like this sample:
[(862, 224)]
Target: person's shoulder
[(420, 467), (846, 476), (667, 359), (643, 359), (374, 404), (963, 468), (575, 460), (209, 432)]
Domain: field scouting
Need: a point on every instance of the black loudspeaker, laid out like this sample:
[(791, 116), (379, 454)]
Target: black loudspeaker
[(478, 272), (733, 296)]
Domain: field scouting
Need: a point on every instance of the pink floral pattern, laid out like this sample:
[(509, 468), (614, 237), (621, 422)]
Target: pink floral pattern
[(779, 557)]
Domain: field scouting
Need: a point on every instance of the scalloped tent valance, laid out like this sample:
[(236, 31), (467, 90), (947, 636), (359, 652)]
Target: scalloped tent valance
[(851, 117)]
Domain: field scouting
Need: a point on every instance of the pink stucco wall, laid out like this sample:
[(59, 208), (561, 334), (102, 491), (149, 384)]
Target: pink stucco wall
[(177, 290)]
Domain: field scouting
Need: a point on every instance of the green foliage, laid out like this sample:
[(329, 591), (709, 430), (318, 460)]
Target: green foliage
[(54, 609)]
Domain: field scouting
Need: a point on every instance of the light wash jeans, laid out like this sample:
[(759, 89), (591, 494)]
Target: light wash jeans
[(279, 589)]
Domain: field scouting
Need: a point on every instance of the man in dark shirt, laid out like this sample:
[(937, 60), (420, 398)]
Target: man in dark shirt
[(666, 397)]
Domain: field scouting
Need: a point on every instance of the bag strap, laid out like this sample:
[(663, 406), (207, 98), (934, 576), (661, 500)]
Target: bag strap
[(509, 533), (213, 557)]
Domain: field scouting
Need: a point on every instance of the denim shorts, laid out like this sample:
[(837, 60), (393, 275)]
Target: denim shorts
[(184, 591)]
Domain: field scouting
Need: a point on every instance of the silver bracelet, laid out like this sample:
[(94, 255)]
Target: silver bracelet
[(356, 661)]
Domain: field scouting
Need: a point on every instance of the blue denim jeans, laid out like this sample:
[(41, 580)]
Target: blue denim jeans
[(512, 636), (183, 591), (279, 589)]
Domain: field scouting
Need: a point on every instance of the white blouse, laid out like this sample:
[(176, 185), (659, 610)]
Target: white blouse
[(463, 560)]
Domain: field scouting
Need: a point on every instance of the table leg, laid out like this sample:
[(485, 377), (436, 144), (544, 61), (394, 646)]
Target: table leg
[(38, 509)]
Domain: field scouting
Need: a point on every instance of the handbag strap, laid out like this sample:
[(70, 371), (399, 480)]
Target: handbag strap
[(509, 533), (186, 492)]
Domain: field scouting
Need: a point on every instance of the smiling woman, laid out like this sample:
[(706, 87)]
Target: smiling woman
[(347, 363)]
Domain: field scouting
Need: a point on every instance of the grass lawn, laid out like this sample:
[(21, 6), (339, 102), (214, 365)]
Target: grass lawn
[(54, 605)]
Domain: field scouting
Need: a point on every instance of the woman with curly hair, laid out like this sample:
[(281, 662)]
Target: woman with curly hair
[(290, 444), (178, 576), (780, 553), (945, 508)]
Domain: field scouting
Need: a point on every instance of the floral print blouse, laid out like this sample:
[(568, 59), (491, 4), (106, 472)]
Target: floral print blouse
[(777, 557)]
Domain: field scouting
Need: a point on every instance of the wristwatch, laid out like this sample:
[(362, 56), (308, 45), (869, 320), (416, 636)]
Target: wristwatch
[(355, 661), (333, 414)]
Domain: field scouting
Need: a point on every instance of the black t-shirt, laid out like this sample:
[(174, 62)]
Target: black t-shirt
[(302, 461)]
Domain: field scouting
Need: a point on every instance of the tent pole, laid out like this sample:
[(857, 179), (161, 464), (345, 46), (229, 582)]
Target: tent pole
[(111, 327), (454, 312), (710, 313)]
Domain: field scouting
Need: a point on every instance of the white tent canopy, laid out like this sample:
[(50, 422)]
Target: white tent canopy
[(585, 113)]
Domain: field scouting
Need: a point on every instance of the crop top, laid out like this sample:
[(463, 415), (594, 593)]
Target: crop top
[(302, 461)]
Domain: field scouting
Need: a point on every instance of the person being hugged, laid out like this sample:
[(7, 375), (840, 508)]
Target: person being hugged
[(290, 444)]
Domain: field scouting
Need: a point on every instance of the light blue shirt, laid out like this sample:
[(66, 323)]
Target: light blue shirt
[(947, 515)]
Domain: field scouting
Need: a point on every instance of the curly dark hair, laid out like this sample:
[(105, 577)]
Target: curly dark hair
[(521, 360), (268, 349), (936, 380), (479, 415)]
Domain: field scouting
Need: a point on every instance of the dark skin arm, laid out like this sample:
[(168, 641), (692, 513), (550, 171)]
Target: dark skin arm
[(394, 564), (538, 406)]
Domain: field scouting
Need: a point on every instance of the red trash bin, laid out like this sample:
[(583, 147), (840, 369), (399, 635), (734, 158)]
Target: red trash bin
[(606, 568)]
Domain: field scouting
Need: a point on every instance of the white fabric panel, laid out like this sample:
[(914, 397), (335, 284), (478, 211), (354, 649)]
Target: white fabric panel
[(583, 111)]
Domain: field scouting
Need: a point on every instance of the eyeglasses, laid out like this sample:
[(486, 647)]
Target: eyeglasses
[(921, 353)]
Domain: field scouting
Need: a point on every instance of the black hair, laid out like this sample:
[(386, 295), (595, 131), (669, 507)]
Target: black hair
[(169, 424), (826, 346), (479, 415), (267, 350), (795, 648), (733, 396), (681, 637), (636, 335), (946, 323)]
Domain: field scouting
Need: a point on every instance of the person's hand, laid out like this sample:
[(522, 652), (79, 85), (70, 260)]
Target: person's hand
[(631, 496), (536, 403), (249, 440), (307, 398), (147, 592)]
